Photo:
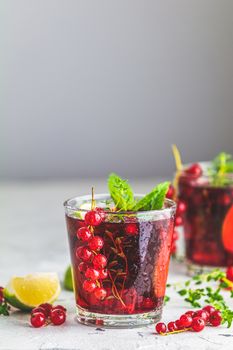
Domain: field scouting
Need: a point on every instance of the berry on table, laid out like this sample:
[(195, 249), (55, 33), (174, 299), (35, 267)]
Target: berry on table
[(58, 316), (131, 229), (47, 307), (190, 313), (96, 243), (186, 320), (161, 328), (93, 218), (198, 324), (60, 307), (103, 273), (84, 234), (92, 274), (179, 324), (84, 254), (99, 261), (40, 309), (37, 319), (172, 326), (204, 314), (215, 318), (100, 293), (89, 286), (209, 308)]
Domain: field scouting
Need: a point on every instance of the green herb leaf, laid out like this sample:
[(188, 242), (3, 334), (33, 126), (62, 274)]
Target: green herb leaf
[(153, 200), (121, 192), (4, 309)]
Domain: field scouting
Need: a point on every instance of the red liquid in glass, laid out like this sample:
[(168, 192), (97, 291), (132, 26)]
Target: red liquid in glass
[(207, 207), (137, 266)]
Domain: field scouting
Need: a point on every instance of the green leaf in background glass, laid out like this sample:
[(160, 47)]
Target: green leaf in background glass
[(153, 200), (221, 169), (121, 192)]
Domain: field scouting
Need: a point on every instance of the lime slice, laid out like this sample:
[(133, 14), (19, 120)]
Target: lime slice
[(29, 291), (68, 280)]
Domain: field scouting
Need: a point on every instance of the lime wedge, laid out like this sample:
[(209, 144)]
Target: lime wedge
[(29, 291), (68, 280)]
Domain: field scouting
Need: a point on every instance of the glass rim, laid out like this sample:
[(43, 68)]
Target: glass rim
[(171, 205)]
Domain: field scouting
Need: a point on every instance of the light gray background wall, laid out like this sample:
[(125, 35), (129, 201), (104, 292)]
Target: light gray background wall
[(88, 87)]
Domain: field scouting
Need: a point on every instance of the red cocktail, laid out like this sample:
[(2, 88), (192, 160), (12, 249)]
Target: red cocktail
[(120, 271), (208, 218)]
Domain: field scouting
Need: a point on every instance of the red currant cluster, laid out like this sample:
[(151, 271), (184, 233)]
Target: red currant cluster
[(45, 314), (192, 321), (195, 171), (93, 263)]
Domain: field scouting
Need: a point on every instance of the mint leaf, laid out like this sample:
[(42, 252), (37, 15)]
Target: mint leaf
[(121, 192), (220, 167), (153, 200)]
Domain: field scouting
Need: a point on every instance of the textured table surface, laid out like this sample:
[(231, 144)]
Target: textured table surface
[(33, 238)]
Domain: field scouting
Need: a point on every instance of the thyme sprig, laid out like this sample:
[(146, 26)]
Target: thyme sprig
[(198, 291)]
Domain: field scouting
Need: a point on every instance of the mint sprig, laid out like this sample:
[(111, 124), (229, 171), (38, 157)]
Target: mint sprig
[(221, 167), (153, 200), (121, 192), (208, 294), (123, 197)]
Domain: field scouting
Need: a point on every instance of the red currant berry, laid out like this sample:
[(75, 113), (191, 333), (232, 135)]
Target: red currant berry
[(229, 273), (171, 192), (82, 266), (203, 314), (175, 236), (215, 318), (99, 261), (37, 319), (96, 243), (209, 308), (198, 324), (178, 221), (47, 307), (148, 303), (190, 313), (58, 316), (186, 320), (1, 291), (93, 218), (160, 328), (178, 324), (181, 207), (89, 286), (84, 234), (194, 170), (131, 229), (103, 273), (172, 327), (101, 212), (100, 293), (92, 274), (59, 307), (39, 309), (84, 254)]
